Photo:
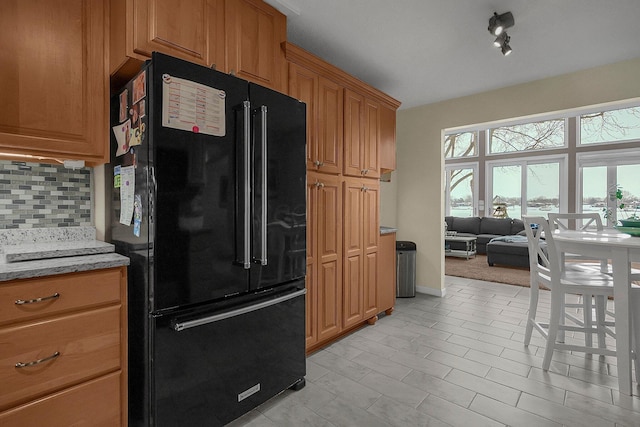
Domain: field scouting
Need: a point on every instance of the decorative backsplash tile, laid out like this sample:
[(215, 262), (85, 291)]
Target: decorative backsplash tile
[(36, 195)]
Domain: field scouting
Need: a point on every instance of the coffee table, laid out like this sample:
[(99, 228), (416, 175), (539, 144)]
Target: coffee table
[(470, 246)]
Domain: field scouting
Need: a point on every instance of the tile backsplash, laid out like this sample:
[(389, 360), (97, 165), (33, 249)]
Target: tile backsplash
[(37, 195)]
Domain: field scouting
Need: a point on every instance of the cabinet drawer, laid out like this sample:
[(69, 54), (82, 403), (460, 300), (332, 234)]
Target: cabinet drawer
[(88, 344), (75, 291), (95, 403)]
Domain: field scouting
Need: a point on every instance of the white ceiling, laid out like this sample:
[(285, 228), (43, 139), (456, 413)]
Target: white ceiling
[(425, 51)]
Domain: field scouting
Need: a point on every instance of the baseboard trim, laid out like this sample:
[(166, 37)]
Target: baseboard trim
[(431, 291)]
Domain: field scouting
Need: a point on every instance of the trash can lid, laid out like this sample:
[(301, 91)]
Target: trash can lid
[(403, 245)]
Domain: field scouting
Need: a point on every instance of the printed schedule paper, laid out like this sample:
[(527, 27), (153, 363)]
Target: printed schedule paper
[(127, 191), (192, 106)]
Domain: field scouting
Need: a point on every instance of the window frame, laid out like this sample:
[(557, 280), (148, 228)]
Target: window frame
[(610, 159), (525, 121), (475, 166), (597, 109), (523, 162), (476, 153)]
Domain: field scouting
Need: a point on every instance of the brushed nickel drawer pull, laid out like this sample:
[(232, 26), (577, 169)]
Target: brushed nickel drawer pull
[(31, 301), (37, 362)]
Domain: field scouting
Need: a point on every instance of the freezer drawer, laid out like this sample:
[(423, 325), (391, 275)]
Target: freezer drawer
[(212, 369)]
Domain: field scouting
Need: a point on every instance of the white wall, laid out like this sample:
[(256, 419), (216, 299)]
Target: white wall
[(414, 200)]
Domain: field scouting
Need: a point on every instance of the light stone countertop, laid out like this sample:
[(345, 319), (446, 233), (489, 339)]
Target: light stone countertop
[(387, 230), (38, 252)]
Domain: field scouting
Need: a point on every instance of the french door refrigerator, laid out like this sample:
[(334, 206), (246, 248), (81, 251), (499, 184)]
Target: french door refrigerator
[(209, 205)]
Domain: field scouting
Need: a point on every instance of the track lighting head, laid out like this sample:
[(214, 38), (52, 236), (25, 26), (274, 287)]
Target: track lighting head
[(501, 39), (499, 23), (506, 49)]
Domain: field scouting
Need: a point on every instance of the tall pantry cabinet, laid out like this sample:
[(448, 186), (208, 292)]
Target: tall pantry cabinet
[(344, 128)]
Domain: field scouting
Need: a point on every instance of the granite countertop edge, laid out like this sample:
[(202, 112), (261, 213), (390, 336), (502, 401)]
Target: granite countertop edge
[(53, 266), (387, 230)]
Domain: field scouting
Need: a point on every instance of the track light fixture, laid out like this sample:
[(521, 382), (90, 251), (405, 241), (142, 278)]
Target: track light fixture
[(499, 23), (505, 48), (501, 39), (497, 26)]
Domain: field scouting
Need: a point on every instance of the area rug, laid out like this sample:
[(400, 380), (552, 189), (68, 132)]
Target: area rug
[(477, 268)]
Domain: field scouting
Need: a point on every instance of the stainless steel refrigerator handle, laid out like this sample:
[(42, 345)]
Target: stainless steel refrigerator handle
[(263, 247), (181, 326), (246, 105)]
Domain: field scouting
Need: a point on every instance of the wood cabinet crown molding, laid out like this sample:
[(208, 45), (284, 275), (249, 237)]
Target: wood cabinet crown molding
[(305, 58)]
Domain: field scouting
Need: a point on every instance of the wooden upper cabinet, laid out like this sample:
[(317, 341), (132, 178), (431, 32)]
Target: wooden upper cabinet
[(303, 85), (324, 117), (387, 138), (362, 136), (329, 126), (371, 151), (187, 29), (354, 133), (255, 31), (54, 84)]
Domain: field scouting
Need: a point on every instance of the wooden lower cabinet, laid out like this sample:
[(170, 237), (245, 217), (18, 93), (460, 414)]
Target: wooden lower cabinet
[(343, 231), (361, 231), (387, 273), (324, 258), (93, 403), (64, 351)]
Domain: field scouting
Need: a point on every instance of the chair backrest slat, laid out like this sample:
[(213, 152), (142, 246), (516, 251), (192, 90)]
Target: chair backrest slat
[(544, 261), (570, 221)]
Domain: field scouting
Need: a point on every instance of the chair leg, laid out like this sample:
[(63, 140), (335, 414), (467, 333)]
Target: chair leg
[(557, 315), (562, 319), (604, 266), (601, 314), (533, 308), (587, 307), (635, 335)]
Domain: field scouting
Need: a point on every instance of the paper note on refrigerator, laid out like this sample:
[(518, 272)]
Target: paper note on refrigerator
[(192, 106), (127, 190)]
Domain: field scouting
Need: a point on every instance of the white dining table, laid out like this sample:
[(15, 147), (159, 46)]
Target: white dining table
[(621, 249)]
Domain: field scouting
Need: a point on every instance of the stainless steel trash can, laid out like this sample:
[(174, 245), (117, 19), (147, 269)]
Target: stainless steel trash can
[(405, 269)]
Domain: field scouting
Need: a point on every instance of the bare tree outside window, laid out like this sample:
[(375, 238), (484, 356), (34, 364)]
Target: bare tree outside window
[(526, 137), (610, 126), (460, 145)]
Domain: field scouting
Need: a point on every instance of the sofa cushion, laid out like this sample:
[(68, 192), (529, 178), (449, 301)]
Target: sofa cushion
[(499, 226), (517, 225), (449, 221), (466, 225)]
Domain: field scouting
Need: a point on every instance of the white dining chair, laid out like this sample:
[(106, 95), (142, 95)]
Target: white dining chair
[(546, 269), (580, 222)]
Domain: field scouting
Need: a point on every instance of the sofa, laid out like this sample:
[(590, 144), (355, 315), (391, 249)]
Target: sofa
[(484, 228)]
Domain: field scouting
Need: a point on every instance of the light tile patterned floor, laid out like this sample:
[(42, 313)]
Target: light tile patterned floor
[(458, 360)]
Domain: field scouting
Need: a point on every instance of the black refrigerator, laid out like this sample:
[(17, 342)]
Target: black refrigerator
[(209, 205)]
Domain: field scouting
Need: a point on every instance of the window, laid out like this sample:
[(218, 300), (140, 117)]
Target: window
[(461, 145), (527, 186), (528, 136), (594, 190), (461, 192), (610, 126), (603, 173), (506, 187), (525, 165)]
